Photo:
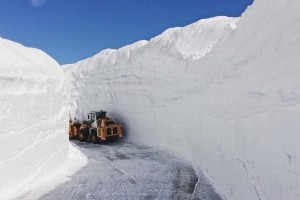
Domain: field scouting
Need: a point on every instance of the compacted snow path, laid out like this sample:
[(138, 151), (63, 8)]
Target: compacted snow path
[(124, 170)]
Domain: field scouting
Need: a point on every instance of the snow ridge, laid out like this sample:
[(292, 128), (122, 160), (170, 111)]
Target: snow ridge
[(191, 42)]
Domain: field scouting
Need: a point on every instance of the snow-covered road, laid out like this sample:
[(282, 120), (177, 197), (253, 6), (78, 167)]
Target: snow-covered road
[(123, 170)]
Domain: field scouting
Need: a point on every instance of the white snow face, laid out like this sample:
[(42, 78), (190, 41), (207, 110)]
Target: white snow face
[(33, 118), (248, 110), (225, 97)]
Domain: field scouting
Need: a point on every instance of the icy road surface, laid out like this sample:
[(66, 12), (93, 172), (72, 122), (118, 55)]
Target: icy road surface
[(123, 170)]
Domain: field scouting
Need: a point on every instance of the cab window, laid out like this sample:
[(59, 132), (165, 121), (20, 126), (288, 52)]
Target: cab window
[(92, 117)]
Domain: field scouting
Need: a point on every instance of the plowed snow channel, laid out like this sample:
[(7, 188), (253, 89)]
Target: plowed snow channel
[(122, 170)]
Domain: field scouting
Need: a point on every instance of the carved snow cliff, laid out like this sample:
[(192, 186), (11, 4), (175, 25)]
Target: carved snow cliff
[(33, 118)]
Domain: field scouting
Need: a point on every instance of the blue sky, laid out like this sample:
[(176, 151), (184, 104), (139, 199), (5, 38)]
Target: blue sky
[(71, 30)]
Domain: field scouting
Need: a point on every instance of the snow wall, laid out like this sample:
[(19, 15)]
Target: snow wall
[(226, 97), (33, 118)]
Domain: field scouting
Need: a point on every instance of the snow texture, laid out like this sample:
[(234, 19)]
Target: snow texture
[(123, 171), (73, 165), (226, 97), (33, 118)]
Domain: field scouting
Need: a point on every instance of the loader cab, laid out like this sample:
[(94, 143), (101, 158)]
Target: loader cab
[(92, 119)]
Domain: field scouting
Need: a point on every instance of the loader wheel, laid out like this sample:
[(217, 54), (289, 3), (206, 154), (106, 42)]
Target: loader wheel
[(94, 139), (83, 135)]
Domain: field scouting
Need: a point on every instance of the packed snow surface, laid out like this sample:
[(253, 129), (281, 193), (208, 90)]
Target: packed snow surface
[(225, 96), (33, 118), (124, 171)]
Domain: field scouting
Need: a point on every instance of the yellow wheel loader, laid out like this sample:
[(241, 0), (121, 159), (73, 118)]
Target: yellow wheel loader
[(97, 128)]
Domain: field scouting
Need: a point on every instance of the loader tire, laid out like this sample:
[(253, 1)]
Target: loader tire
[(94, 138), (83, 135)]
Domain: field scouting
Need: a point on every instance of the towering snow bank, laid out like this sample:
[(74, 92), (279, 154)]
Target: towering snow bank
[(134, 69), (231, 105), (33, 118), (249, 106)]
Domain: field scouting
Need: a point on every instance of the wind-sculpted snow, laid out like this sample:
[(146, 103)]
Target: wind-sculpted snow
[(33, 118), (230, 105), (196, 40)]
